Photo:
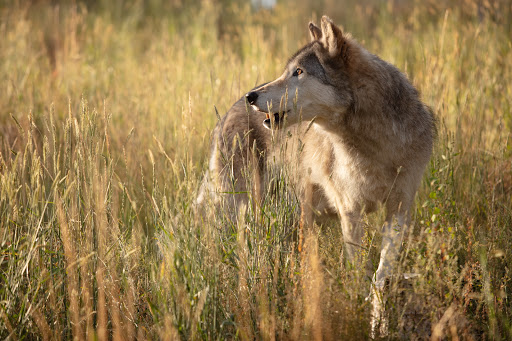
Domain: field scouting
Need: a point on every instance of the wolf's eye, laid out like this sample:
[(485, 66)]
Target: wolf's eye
[(297, 72)]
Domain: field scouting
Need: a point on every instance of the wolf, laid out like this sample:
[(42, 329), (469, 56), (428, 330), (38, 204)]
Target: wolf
[(370, 139), (363, 139)]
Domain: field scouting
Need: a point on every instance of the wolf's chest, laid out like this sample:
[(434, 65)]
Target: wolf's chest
[(347, 176)]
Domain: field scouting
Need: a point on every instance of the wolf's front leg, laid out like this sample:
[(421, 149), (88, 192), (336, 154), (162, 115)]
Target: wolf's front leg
[(391, 242), (306, 211), (352, 233)]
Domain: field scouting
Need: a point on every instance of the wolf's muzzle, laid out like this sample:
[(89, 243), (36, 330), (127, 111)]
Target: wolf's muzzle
[(252, 97)]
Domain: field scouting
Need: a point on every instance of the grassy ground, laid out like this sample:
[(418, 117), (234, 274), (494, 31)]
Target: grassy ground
[(105, 114)]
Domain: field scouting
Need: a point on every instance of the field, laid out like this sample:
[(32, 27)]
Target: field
[(106, 111)]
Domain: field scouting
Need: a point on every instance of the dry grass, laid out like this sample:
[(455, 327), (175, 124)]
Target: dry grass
[(106, 113)]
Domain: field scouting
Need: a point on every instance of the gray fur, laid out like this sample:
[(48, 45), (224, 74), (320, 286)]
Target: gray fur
[(360, 137)]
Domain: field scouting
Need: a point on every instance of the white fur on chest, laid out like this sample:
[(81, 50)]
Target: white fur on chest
[(350, 180)]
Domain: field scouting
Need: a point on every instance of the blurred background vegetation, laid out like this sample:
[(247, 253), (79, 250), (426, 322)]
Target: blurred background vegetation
[(106, 111)]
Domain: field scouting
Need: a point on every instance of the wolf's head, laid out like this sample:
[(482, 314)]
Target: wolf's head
[(315, 81)]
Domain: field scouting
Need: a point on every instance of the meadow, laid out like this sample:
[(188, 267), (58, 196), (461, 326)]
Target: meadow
[(106, 111)]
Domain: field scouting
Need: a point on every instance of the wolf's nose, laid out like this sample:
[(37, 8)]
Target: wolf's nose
[(251, 97)]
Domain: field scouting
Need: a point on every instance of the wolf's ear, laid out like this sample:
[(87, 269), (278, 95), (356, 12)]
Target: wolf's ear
[(332, 38), (314, 32)]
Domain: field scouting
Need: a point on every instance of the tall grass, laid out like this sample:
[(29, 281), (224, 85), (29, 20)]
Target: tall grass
[(106, 111)]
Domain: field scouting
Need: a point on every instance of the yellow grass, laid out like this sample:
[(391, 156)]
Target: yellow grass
[(106, 110)]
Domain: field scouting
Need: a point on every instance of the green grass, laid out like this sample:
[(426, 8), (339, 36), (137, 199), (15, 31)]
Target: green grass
[(106, 110)]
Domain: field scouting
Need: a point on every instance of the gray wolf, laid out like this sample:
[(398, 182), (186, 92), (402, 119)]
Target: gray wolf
[(370, 141)]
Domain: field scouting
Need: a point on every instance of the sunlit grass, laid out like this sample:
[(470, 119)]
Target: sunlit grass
[(106, 112)]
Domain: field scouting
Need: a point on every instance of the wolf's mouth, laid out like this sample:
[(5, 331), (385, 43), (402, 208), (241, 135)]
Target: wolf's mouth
[(277, 117), (277, 120)]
